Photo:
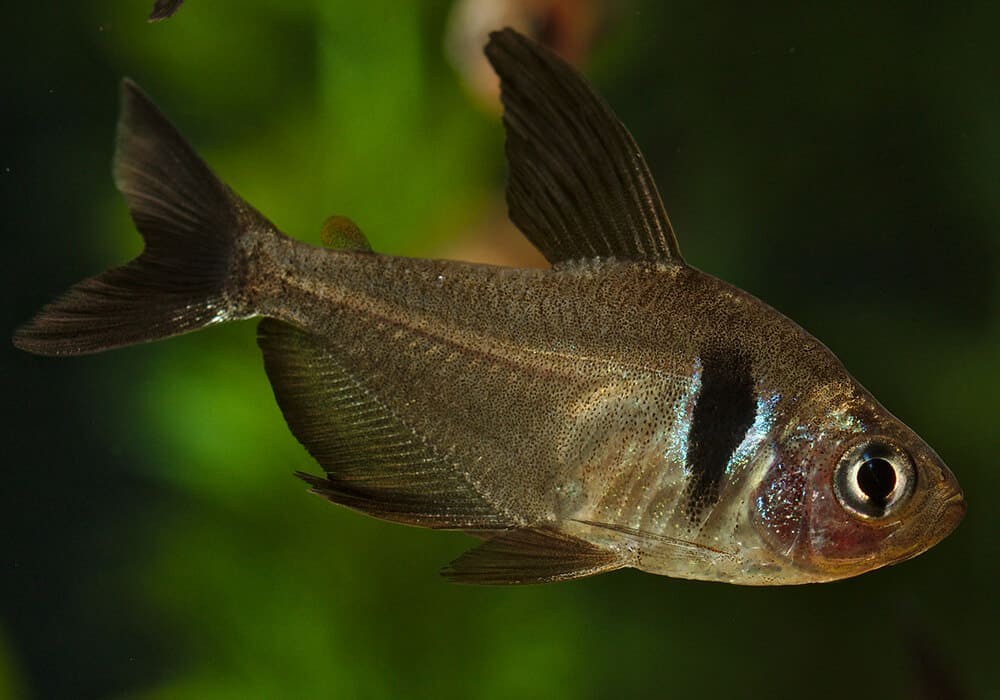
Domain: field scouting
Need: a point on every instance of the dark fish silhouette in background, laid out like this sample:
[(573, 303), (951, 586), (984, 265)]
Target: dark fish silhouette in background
[(620, 409), (163, 9)]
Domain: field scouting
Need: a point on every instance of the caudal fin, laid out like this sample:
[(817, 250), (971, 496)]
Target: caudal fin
[(184, 279)]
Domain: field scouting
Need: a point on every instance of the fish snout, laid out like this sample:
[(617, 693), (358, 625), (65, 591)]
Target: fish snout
[(949, 514), (954, 506)]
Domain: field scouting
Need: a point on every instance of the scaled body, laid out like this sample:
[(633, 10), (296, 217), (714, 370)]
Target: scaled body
[(620, 409)]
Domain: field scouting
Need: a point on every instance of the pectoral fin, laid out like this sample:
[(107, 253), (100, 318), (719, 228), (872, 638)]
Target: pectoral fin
[(655, 540), (531, 555), (578, 186)]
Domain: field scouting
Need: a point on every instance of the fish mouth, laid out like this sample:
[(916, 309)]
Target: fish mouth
[(956, 498), (942, 521), (946, 517), (951, 512)]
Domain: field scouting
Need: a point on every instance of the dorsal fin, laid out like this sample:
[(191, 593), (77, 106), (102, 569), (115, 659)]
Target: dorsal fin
[(578, 187)]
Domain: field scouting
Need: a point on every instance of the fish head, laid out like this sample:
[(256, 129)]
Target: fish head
[(850, 488)]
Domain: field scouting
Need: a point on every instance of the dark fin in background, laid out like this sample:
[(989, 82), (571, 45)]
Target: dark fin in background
[(189, 221), (163, 9), (531, 555), (578, 186), (374, 462)]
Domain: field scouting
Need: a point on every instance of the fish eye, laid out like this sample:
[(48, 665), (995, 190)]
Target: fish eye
[(873, 480)]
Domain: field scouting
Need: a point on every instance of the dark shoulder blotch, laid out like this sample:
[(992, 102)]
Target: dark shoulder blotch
[(724, 410)]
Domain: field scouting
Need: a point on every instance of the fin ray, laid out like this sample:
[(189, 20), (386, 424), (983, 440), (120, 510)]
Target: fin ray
[(374, 462), (578, 186), (189, 221), (640, 536), (531, 555)]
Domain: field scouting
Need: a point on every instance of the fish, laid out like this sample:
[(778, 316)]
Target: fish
[(617, 409)]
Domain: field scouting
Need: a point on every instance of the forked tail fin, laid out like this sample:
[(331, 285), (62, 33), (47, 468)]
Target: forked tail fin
[(185, 278)]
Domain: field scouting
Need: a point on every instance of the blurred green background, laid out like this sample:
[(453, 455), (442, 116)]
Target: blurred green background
[(841, 162)]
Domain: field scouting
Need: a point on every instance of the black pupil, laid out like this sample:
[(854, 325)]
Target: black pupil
[(877, 479)]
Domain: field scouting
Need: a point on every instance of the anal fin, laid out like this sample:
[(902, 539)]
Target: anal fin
[(531, 555), (374, 461)]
